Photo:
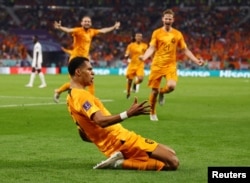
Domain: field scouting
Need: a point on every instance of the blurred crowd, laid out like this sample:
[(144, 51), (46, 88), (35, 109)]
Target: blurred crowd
[(216, 31)]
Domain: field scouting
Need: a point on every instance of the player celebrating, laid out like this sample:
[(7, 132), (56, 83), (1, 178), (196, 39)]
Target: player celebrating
[(125, 148), (135, 69), (82, 37), (163, 45)]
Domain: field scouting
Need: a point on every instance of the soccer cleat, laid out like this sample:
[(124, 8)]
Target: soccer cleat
[(134, 88), (161, 99), (153, 117), (56, 97), (112, 162), (28, 85), (128, 96), (42, 86)]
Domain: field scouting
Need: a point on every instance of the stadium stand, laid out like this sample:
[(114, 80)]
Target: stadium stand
[(216, 30)]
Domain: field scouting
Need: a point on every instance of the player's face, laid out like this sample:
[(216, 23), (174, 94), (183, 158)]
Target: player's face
[(168, 20), (86, 23), (34, 39), (138, 37), (86, 74)]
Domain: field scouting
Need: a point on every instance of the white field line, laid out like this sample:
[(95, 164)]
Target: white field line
[(26, 105), (26, 97), (36, 104)]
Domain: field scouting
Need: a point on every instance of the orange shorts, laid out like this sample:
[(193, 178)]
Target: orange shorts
[(138, 147), (132, 72), (156, 74)]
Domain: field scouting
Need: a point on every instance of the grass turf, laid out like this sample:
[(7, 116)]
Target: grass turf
[(206, 120)]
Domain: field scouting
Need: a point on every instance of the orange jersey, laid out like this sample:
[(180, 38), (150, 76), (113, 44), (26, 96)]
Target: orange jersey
[(68, 51), (166, 44), (82, 105), (82, 41), (134, 50)]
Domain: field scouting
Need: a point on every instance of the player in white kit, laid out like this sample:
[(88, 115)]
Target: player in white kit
[(37, 64)]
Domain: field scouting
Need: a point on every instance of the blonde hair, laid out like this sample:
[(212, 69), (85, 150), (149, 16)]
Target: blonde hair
[(168, 11)]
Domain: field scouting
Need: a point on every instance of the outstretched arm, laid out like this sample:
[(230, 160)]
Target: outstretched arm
[(109, 29), (136, 109), (190, 55), (58, 25), (149, 52)]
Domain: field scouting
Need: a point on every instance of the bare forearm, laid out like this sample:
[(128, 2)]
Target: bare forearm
[(65, 29), (136, 109), (191, 56), (107, 29), (105, 121), (148, 53)]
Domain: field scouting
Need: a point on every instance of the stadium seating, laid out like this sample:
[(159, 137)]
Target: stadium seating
[(216, 30)]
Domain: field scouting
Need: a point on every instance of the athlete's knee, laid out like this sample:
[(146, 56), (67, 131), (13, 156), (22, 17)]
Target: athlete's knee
[(173, 163), (171, 159), (171, 88), (171, 85), (140, 79), (33, 69)]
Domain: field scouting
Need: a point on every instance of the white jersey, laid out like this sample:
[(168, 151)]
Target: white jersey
[(37, 56)]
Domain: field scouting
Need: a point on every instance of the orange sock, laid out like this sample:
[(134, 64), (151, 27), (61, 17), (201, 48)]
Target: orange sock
[(63, 88), (91, 89), (151, 164), (152, 101), (128, 87)]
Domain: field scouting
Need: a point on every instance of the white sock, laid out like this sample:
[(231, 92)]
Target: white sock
[(137, 87), (42, 78), (32, 78)]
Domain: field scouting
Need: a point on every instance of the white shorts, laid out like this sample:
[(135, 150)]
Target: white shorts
[(37, 65)]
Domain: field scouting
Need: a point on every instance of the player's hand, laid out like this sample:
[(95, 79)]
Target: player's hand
[(200, 62), (136, 109), (117, 25), (57, 25), (141, 58)]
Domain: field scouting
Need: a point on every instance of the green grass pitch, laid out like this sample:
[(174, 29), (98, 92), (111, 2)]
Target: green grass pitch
[(206, 121)]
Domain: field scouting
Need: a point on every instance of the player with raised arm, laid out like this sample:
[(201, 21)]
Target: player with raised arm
[(125, 149), (82, 37), (163, 47)]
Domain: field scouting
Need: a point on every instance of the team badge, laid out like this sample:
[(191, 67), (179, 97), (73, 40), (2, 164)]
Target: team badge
[(149, 141), (86, 106)]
